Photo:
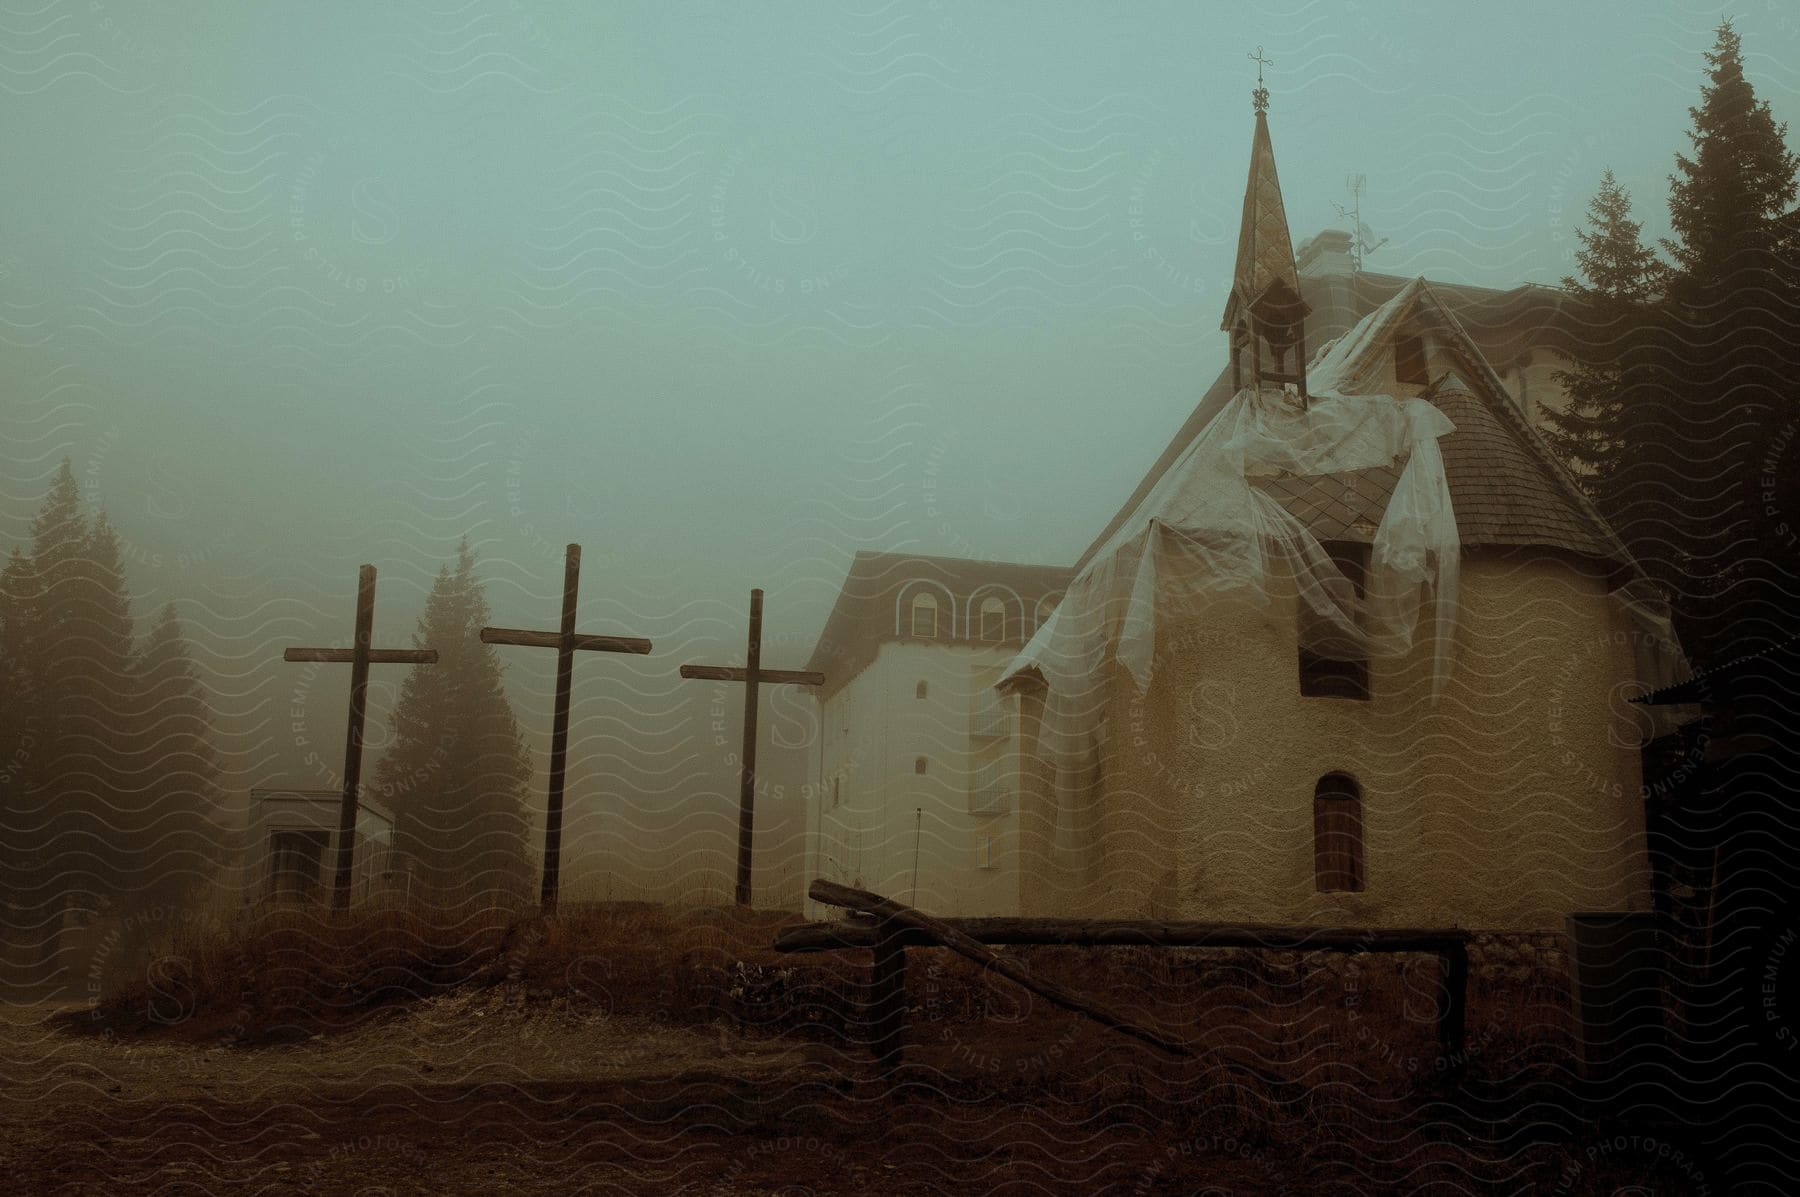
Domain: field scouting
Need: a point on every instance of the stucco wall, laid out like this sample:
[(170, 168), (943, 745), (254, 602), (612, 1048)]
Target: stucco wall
[(1511, 802), (892, 818)]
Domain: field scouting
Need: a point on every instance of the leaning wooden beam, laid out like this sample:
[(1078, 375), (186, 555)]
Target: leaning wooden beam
[(819, 937), (896, 914)]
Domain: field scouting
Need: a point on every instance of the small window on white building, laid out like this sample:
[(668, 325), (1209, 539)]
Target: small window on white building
[(993, 619), (919, 765), (921, 690), (837, 791), (984, 852), (925, 615)]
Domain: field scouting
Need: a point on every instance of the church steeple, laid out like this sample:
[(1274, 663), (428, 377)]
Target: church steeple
[(1266, 312)]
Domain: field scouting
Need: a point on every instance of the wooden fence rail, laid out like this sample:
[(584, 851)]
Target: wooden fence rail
[(891, 928)]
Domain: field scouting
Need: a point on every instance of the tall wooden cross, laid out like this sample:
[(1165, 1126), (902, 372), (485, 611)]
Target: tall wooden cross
[(566, 641), (359, 658), (753, 675)]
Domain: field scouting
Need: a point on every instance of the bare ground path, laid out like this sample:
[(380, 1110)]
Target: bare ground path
[(475, 1092), (466, 1094)]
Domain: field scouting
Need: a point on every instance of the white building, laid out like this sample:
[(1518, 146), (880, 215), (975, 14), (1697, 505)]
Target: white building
[(914, 786), (293, 838)]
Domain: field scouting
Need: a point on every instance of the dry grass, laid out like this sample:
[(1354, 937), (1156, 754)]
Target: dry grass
[(1315, 1072), (276, 972)]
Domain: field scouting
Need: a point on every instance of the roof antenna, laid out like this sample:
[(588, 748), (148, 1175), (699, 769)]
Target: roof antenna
[(1362, 238), (1260, 97)]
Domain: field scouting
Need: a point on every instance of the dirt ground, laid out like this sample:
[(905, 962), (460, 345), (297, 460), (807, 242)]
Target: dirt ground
[(464, 1095), (476, 1093)]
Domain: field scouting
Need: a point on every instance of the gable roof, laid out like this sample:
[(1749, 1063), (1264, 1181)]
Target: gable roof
[(1505, 323), (1507, 487), (864, 614)]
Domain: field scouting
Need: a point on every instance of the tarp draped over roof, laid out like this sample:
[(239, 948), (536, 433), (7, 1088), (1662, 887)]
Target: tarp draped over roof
[(1207, 530), (1222, 521)]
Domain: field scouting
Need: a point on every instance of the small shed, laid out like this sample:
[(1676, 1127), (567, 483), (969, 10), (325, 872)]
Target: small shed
[(293, 839)]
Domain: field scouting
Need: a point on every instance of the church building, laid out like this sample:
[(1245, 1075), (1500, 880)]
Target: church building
[(1357, 650)]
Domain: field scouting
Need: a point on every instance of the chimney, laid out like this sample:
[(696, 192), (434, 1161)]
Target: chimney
[(1324, 255)]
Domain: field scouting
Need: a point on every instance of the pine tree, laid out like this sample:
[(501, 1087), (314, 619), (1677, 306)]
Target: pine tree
[(51, 810), (457, 772), (21, 735), (96, 676), (1725, 202), (1619, 281), (174, 840), (1714, 384)]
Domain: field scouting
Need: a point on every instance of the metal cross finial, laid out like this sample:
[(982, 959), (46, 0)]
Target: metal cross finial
[(1260, 97)]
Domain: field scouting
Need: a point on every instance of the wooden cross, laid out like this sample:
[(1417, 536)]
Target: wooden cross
[(752, 675), (359, 659), (566, 641)]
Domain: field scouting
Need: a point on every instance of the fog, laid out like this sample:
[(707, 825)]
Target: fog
[(724, 293)]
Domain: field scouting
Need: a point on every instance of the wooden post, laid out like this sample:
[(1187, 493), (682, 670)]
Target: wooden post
[(567, 642), (359, 658), (747, 781), (753, 675), (559, 730), (886, 1023), (353, 735), (1453, 1005)]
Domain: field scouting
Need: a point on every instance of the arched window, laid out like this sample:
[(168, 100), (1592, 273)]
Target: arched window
[(921, 690), (919, 764), (924, 615), (993, 619), (1337, 834)]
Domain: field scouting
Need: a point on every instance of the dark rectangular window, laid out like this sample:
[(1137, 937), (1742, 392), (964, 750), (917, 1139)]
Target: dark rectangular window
[(1329, 666)]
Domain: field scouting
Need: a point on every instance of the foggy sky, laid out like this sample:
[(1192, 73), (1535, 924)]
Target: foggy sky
[(724, 292)]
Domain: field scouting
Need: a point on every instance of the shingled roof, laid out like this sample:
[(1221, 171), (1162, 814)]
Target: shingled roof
[(1507, 489), (1498, 326)]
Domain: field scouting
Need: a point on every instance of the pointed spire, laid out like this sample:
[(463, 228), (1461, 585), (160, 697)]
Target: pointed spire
[(1266, 309)]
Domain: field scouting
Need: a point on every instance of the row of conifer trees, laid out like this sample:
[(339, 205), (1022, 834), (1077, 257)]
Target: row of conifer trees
[(110, 784), (1684, 419)]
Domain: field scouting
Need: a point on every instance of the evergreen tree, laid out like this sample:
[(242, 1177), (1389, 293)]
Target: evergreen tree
[(1725, 202), (101, 797), (1696, 493), (174, 829), (21, 734), (1618, 282), (457, 771), (53, 808)]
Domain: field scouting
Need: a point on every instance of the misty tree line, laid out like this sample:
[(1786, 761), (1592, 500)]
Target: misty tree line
[(110, 794), (107, 774), (1683, 420)]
